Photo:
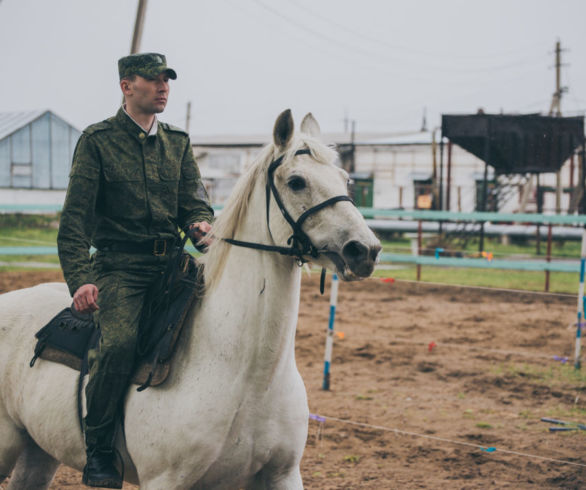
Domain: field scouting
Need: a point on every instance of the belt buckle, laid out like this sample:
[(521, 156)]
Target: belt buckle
[(158, 249)]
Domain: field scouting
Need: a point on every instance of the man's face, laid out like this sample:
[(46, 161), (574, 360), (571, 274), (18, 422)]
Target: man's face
[(147, 96)]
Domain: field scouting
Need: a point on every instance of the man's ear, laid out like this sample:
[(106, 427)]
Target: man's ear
[(125, 86)]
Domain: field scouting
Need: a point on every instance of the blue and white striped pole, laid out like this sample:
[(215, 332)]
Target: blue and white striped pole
[(581, 301), (330, 336)]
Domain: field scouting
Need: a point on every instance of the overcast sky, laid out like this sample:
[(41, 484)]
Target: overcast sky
[(241, 62)]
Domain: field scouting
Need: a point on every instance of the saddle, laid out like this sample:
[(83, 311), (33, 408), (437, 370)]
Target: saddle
[(70, 335)]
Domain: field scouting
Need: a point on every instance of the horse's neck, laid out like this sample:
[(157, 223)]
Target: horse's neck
[(251, 313)]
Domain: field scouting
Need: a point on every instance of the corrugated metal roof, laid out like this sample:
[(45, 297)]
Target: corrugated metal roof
[(13, 121)]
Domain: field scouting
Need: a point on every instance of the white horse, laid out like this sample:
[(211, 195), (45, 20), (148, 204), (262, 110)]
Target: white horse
[(233, 412)]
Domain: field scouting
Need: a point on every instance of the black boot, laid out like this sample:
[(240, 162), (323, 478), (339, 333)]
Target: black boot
[(100, 470)]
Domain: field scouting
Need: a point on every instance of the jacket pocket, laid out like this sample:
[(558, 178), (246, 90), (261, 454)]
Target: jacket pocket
[(169, 171), (189, 173), (122, 173)]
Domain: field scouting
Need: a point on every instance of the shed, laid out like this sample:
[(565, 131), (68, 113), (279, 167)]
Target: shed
[(36, 149)]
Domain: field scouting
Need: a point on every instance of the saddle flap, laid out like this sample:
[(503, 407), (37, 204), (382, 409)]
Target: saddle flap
[(69, 332)]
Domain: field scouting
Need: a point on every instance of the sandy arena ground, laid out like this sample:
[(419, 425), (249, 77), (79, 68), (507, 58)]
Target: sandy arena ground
[(485, 383)]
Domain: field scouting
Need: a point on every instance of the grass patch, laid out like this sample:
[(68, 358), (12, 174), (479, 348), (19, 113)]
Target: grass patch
[(559, 282), (483, 425), (526, 414), (568, 414), (352, 459), (552, 375), (524, 247), (364, 397)]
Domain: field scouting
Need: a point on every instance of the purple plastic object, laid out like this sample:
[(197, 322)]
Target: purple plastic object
[(313, 416)]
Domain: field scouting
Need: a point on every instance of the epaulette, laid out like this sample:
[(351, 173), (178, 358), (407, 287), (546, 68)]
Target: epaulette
[(175, 129), (101, 126)]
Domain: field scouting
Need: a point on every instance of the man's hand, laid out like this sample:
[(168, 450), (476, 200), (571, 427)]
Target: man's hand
[(85, 298), (200, 232)]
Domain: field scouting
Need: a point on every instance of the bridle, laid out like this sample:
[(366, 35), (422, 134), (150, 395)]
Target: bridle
[(300, 245)]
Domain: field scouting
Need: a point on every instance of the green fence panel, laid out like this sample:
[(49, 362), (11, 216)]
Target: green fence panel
[(523, 265)]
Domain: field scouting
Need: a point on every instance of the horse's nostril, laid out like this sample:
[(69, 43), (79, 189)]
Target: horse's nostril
[(355, 250), (374, 251)]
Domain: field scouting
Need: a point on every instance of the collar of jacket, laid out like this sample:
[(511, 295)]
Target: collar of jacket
[(130, 126)]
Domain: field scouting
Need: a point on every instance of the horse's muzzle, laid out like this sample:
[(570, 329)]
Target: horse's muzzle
[(360, 258)]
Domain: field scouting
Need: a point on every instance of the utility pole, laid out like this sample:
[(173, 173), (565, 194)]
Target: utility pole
[(188, 117), (424, 121), (353, 148), (138, 25), (137, 33), (555, 109)]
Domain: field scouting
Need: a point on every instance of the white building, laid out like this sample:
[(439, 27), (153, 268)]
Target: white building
[(392, 171)]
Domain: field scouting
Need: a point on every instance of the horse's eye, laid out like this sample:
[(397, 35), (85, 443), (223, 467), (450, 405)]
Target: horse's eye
[(296, 183)]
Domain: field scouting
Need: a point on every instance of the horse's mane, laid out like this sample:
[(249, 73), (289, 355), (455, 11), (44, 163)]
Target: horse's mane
[(226, 225)]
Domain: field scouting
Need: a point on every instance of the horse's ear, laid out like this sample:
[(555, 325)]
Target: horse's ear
[(283, 130), (310, 126)]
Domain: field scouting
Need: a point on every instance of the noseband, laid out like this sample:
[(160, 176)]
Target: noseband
[(300, 245)]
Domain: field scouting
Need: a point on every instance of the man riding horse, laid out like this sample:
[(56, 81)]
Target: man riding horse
[(134, 182)]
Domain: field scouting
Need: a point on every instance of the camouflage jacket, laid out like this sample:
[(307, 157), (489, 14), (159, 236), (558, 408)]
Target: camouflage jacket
[(127, 186)]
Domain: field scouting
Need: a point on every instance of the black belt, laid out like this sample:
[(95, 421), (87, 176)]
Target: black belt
[(154, 247)]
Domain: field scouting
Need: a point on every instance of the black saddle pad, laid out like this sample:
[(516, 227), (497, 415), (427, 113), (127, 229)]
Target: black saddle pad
[(70, 332)]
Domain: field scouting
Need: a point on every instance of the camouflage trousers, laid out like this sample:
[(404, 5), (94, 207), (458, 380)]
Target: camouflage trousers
[(122, 281)]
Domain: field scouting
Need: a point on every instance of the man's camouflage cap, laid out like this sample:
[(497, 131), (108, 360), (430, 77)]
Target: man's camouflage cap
[(147, 65)]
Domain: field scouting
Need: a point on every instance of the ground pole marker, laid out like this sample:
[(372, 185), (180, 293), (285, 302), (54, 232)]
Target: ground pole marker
[(330, 335), (577, 363)]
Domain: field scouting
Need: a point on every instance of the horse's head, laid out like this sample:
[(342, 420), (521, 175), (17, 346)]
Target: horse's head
[(314, 204)]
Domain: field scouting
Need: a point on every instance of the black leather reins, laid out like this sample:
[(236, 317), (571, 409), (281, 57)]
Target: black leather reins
[(299, 243)]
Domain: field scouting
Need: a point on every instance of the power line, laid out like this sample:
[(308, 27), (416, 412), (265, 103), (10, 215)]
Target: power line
[(520, 63), (379, 41)]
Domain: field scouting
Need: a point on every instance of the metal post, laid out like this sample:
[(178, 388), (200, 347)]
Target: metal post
[(441, 180), (441, 176), (330, 336), (582, 204), (419, 250), (484, 197), (548, 258), (572, 171), (138, 25), (188, 117), (449, 177), (485, 185), (539, 211), (353, 148)]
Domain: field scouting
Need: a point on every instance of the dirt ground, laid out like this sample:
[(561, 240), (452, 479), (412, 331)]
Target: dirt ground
[(457, 371)]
